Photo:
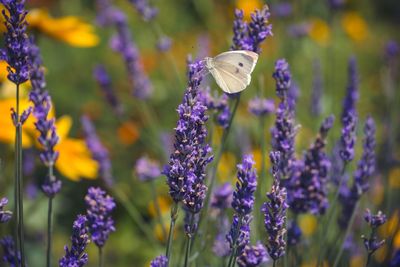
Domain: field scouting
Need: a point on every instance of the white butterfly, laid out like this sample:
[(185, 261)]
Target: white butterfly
[(231, 70)]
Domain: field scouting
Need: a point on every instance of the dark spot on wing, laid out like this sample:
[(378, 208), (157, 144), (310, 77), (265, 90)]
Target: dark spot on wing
[(240, 64), (237, 70)]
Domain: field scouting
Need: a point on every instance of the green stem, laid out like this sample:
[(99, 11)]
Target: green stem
[(189, 241), (368, 259), (174, 216), (49, 232), (274, 263), (330, 217), (158, 210), (349, 226), (49, 222), (134, 214), (101, 257)]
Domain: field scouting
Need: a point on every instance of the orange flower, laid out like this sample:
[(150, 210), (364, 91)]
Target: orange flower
[(320, 31), (355, 26), (68, 29), (248, 6)]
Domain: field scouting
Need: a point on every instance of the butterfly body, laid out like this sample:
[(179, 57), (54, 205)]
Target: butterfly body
[(231, 70)]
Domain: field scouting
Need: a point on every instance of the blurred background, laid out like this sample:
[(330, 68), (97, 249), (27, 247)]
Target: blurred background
[(314, 37)]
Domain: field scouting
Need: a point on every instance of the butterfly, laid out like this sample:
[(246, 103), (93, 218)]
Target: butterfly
[(231, 70)]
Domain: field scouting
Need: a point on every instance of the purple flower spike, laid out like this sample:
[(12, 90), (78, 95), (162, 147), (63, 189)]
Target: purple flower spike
[(164, 44), (99, 207), (222, 197), (5, 215), (239, 234), (375, 221), (160, 261), (145, 10), (261, 106), (146, 169), (275, 213), (253, 256), (282, 78), (282, 10), (243, 197), (48, 137), (350, 100), (348, 138), (250, 36), (99, 152), (366, 166), (16, 51), (186, 168), (76, 256), (309, 192), (8, 245), (372, 243), (104, 81)]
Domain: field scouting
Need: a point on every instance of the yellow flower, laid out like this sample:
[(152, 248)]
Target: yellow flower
[(3, 70), (314, 263), (307, 224), (68, 29), (74, 161), (248, 6), (164, 203), (226, 167), (355, 26), (319, 31), (257, 158), (7, 132), (357, 261), (394, 178)]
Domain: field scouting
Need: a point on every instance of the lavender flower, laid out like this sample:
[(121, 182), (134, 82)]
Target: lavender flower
[(316, 95), (243, 197), (253, 256), (48, 137), (309, 192), (282, 10), (123, 43), (250, 36), (284, 131), (104, 81), (371, 243), (145, 10), (222, 197), (239, 234), (293, 233), (349, 102), (220, 247), (5, 215), (395, 262), (160, 261), (282, 77), (146, 169), (99, 207), (16, 51), (164, 44), (392, 50), (275, 212), (99, 152), (348, 137), (222, 107), (185, 170), (75, 256), (366, 166), (299, 30), (336, 4), (8, 245), (261, 106)]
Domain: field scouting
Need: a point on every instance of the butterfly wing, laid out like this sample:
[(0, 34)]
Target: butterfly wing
[(243, 59), (230, 78)]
